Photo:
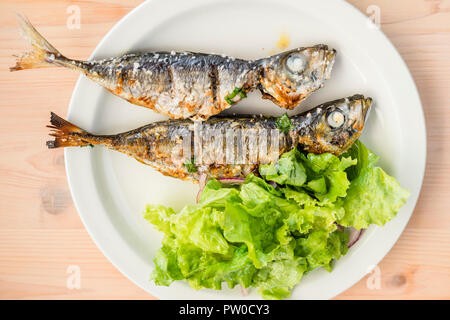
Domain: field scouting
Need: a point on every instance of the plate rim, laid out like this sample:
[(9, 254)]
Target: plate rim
[(71, 174)]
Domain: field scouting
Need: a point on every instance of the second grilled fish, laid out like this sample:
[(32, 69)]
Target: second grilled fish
[(192, 85), (226, 147)]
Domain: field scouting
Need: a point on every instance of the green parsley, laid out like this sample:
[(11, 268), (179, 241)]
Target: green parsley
[(190, 165), (284, 123), (237, 91)]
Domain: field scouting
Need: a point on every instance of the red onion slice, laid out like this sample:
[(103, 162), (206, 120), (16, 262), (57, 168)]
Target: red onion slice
[(232, 180), (272, 183), (201, 184), (244, 291), (354, 236), (340, 228)]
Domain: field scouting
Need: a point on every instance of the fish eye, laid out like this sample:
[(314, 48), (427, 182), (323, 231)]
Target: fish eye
[(295, 62), (336, 119)]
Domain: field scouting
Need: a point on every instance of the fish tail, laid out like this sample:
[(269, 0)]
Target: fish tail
[(69, 135), (43, 54)]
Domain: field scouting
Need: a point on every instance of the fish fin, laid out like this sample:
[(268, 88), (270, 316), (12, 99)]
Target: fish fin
[(68, 135), (43, 54)]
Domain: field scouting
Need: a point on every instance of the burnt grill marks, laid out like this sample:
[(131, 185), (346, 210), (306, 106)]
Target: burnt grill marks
[(169, 83), (314, 76), (260, 76), (214, 78)]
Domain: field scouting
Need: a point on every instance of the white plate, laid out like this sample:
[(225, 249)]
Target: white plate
[(110, 189)]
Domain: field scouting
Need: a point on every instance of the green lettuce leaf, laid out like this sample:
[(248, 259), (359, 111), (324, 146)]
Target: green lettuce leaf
[(323, 174), (288, 170), (373, 197), (266, 237), (276, 280), (320, 248), (166, 266), (329, 177)]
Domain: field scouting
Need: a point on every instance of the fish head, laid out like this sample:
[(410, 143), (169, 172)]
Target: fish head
[(334, 126), (290, 77)]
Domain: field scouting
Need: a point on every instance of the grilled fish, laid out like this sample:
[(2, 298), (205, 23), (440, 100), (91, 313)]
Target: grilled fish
[(192, 85), (225, 147)]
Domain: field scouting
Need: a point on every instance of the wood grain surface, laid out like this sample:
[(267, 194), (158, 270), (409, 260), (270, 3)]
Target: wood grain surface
[(41, 235)]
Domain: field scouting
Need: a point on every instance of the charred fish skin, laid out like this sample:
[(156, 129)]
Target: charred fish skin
[(185, 85), (216, 146)]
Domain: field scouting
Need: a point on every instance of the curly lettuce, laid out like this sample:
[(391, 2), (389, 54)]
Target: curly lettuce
[(373, 197), (266, 237)]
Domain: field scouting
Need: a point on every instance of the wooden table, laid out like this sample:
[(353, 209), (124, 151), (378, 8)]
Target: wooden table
[(41, 235)]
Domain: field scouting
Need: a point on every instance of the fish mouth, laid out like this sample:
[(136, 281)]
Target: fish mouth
[(331, 55), (366, 104)]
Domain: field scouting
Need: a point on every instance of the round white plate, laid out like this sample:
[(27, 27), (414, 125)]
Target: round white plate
[(110, 190)]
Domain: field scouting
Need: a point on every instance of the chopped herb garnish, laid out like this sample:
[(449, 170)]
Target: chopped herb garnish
[(284, 123), (237, 91), (190, 165)]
